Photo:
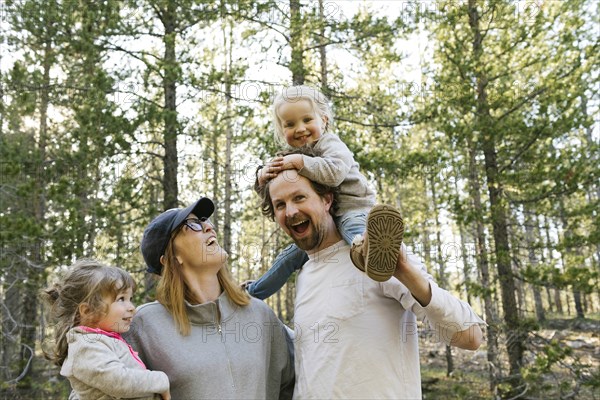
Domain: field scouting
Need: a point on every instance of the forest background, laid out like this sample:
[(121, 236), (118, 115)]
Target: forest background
[(478, 119)]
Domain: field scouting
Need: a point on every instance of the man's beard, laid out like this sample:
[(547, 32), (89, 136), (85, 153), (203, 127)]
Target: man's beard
[(312, 241)]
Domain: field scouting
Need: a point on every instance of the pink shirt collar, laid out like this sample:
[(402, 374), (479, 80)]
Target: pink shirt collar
[(115, 335)]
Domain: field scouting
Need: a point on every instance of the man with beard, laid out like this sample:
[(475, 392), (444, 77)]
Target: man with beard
[(356, 337)]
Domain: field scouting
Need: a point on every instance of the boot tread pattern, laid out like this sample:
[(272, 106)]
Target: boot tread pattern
[(385, 230)]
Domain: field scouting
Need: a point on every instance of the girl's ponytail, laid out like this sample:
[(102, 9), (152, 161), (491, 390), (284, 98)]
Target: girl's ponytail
[(63, 314), (52, 294)]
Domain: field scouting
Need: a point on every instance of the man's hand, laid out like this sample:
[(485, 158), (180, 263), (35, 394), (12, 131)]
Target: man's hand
[(411, 277)]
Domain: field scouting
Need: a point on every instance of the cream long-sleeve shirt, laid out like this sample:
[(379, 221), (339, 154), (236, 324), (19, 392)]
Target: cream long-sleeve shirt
[(356, 338)]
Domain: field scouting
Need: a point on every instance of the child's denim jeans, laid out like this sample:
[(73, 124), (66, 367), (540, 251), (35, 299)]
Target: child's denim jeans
[(292, 258)]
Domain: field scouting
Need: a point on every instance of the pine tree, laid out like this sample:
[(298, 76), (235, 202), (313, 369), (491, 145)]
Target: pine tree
[(508, 123)]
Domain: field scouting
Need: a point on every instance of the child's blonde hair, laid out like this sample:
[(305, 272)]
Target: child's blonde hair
[(86, 282), (292, 94)]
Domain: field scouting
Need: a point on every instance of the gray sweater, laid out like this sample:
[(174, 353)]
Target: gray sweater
[(232, 352), (336, 167)]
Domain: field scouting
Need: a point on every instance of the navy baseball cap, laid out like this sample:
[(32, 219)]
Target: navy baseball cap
[(158, 232)]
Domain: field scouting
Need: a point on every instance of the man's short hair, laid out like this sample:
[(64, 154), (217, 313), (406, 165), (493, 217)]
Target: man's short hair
[(322, 190)]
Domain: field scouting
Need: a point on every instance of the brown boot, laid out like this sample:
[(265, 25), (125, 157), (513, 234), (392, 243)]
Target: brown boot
[(378, 251), (356, 252)]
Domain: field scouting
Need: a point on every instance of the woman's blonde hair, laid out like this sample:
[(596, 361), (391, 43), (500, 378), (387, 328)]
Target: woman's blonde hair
[(86, 282), (172, 288), (292, 94)]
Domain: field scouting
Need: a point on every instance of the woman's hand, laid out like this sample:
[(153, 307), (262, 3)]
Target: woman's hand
[(166, 395)]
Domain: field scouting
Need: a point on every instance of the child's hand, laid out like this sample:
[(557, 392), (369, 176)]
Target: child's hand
[(270, 170), (293, 161), (278, 164), (166, 395)]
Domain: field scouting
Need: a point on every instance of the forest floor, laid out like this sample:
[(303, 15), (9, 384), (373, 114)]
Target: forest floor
[(577, 376)]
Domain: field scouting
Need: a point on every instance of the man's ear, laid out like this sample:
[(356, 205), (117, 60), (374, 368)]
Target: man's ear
[(328, 200)]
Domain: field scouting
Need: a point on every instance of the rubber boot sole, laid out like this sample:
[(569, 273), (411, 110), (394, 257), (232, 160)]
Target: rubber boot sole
[(385, 230)]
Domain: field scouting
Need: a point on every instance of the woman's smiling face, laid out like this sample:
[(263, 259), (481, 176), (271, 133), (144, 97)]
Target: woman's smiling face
[(196, 245)]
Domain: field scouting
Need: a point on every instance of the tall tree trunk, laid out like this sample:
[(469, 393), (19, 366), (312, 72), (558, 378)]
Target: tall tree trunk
[(228, 37), (322, 48), (578, 305), (296, 43), (92, 228), (543, 260), (150, 280), (590, 298), (465, 257), (567, 236), (591, 200), (440, 261), (594, 191), (89, 193), (514, 239), (505, 274), (494, 366), (516, 336), (35, 267), (425, 233), (216, 179), (550, 246), (2, 105), (549, 297), (11, 320), (171, 128), (463, 243), (531, 246), (557, 301), (426, 245)]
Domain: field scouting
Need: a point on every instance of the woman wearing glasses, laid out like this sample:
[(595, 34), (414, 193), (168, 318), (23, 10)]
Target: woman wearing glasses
[(211, 338)]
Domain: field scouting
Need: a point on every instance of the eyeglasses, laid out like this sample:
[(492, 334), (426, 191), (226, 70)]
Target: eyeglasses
[(198, 224)]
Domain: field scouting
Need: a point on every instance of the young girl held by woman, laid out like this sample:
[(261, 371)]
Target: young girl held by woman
[(91, 307)]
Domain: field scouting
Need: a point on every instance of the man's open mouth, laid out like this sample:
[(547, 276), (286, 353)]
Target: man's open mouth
[(300, 226)]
